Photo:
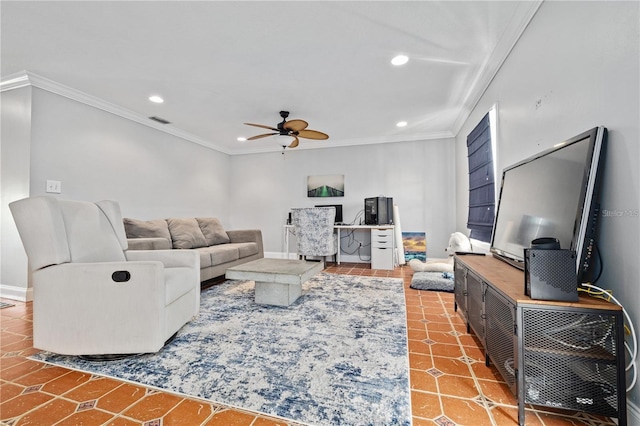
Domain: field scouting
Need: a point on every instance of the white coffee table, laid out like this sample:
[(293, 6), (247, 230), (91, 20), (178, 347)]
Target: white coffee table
[(278, 281)]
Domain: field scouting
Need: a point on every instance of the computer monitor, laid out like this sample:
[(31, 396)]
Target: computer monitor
[(338, 207)]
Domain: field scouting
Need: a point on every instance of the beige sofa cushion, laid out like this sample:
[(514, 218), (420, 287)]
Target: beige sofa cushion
[(157, 228), (246, 249), (186, 233), (221, 253), (212, 230)]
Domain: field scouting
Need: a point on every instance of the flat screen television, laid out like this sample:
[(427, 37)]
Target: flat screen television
[(552, 194)]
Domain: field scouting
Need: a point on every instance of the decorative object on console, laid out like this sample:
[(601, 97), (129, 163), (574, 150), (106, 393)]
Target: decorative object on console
[(550, 272), (293, 128)]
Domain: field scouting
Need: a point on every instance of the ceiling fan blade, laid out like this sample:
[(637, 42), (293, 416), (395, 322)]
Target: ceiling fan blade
[(295, 142), (312, 134), (261, 136), (262, 125), (295, 125)]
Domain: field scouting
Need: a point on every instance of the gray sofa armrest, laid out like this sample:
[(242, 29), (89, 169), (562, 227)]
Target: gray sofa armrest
[(156, 243), (247, 236)]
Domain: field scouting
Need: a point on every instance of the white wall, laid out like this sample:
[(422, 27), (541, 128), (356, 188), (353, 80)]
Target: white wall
[(418, 175), (97, 155), (15, 153), (576, 67)]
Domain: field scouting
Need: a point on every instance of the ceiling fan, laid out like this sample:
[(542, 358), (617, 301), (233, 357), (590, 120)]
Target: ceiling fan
[(294, 128)]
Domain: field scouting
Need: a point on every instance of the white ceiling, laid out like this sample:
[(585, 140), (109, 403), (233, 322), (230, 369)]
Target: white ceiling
[(220, 64)]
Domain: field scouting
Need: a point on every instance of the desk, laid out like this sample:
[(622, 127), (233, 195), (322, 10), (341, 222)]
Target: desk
[(383, 245)]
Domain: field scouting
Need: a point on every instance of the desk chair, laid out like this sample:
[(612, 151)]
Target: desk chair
[(313, 227)]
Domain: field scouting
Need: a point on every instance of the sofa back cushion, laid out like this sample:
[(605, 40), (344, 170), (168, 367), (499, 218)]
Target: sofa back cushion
[(213, 231), (146, 228), (186, 233)]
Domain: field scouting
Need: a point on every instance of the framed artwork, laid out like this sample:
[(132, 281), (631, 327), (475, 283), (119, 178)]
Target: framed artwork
[(325, 186), (415, 245)]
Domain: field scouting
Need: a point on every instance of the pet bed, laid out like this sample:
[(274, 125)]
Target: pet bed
[(433, 281)]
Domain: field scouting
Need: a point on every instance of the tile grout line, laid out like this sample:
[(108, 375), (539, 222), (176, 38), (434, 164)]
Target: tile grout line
[(467, 358)]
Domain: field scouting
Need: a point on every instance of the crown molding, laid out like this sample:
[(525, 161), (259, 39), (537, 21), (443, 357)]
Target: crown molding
[(25, 78), (523, 16), (15, 81), (349, 142)]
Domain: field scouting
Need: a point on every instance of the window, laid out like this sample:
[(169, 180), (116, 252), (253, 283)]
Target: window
[(481, 180)]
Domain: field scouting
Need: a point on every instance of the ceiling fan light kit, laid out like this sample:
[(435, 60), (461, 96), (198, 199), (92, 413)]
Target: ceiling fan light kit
[(285, 130)]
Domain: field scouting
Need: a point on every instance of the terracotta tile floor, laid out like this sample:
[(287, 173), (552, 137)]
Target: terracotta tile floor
[(450, 384)]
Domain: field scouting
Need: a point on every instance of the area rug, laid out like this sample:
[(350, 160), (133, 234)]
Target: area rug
[(337, 356)]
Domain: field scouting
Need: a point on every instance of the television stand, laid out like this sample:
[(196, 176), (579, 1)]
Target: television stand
[(567, 355)]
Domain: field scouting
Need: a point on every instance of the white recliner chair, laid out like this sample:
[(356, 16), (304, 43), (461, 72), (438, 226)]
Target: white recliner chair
[(91, 295)]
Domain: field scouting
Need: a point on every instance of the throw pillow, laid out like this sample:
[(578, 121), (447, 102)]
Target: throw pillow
[(146, 228), (186, 233), (213, 231)]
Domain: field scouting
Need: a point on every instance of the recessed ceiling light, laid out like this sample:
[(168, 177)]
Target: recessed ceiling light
[(401, 123), (156, 99), (241, 139), (400, 60)]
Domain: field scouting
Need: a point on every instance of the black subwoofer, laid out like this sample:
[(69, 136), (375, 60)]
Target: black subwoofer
[(550, 274)]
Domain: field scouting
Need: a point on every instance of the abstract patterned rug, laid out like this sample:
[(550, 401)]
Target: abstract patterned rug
[(337, 356)]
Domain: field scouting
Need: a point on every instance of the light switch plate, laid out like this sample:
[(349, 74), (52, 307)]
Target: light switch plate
[(54, 186)]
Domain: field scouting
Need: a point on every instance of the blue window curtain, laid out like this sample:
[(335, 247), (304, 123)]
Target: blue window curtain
[(481, 181)]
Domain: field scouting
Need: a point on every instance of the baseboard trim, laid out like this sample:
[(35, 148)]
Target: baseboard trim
[(343, 258), (20, 294)]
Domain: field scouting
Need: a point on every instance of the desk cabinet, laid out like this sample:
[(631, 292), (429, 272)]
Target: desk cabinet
[(383, 243), (382, 248), (555, 354)]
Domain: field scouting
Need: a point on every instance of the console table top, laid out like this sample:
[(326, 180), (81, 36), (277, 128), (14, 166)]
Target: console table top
[(509, 281)]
